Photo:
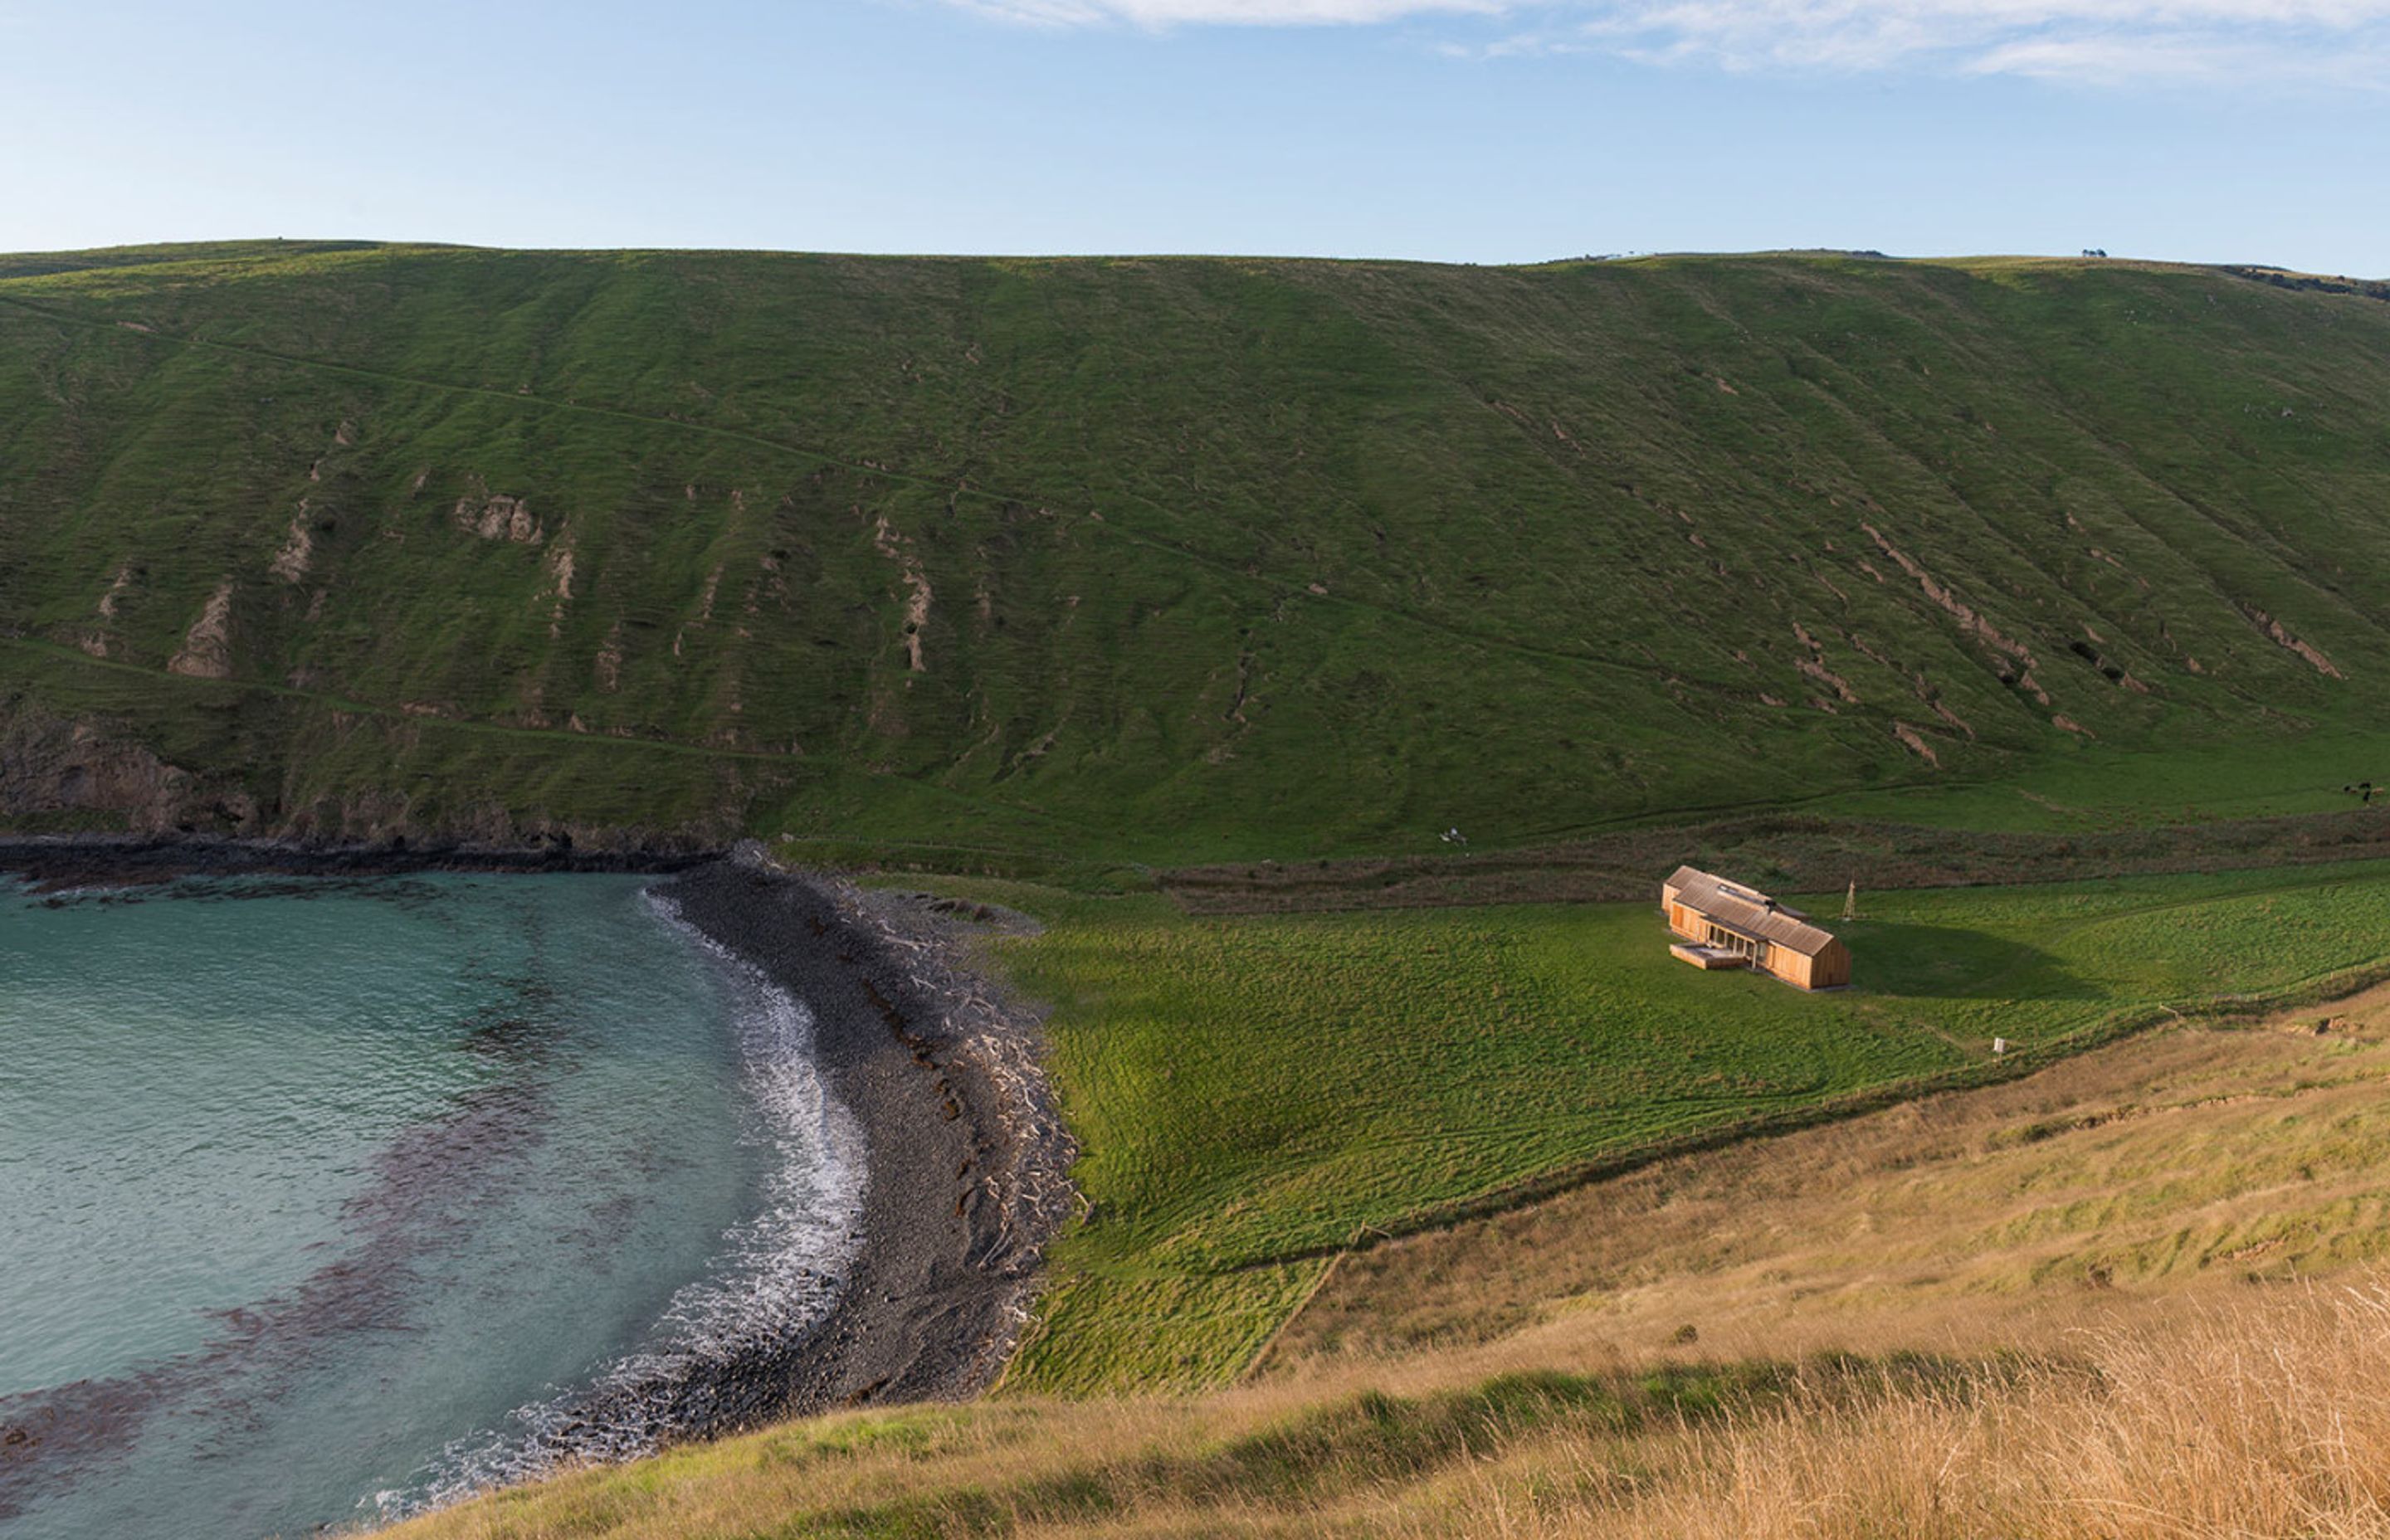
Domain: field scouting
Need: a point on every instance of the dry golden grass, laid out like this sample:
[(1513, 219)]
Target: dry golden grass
[(2186, 1162), (2131, 1298), (2262, 1418)]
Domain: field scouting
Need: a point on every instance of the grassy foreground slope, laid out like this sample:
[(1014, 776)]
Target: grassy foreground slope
[(2137, 1295), (2214, 1157), (1165, 559)]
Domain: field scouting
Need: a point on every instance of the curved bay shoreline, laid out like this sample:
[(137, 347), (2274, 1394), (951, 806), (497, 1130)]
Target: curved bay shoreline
[(966, 1155)]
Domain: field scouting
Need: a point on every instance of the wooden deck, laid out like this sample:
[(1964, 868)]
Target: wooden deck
[(1707, 956)]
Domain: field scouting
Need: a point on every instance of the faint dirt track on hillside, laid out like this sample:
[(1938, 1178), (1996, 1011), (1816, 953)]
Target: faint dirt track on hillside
[(1790, 854)]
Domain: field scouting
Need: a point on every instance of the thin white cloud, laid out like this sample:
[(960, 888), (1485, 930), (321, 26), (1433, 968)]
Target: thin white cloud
[(2084, 40), (2344, 43), (2190, 60)]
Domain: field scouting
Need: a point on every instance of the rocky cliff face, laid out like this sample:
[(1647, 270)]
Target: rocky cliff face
[(60, 773), (65, 774)]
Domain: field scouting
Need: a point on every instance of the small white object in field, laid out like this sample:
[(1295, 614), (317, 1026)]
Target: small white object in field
[(1999, 1045)]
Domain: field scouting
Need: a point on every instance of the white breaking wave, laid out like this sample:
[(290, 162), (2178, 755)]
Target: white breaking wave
[(776, 1275)]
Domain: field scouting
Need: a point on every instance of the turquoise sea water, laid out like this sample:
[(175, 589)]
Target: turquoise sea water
[(320, 1199)]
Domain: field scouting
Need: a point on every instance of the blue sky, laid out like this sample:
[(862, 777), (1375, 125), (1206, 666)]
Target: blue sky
[(1461, 130)]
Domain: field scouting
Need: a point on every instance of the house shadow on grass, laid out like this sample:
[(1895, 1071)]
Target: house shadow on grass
[(1947, 962)]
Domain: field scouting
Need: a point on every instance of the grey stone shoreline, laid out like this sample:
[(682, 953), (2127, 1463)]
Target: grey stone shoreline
[(966, 1154)]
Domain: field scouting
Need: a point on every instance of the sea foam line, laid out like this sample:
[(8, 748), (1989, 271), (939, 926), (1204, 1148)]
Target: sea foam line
[(776, 1275)]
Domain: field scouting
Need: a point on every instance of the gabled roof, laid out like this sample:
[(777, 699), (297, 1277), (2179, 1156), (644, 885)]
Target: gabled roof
[(1747, 912)]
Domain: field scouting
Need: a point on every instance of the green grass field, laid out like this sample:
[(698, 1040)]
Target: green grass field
[(1254, 1093), (1173, 561)]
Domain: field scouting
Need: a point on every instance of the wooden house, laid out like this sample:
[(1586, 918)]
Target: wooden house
[(1726, 924)]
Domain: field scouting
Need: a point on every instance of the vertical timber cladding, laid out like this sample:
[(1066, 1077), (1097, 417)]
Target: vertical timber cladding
[(1829, 968), (1720, 915)]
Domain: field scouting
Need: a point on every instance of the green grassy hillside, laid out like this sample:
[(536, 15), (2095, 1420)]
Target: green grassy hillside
[(1165, 559), (1256, 1094)]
